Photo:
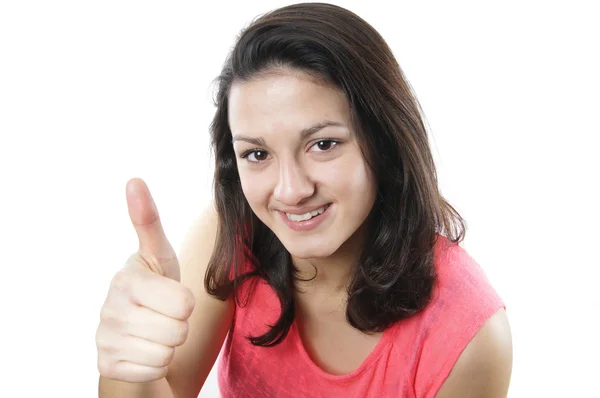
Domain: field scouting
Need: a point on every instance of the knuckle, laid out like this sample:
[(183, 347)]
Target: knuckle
[(167, 356), (107, 368), (164, 372), (182, 333), (100, 341), (121, 282), (104, 344), (160, 372), (110, 317), (188, 302)]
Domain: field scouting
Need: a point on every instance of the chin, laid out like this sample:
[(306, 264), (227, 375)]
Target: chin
[(310, 250)]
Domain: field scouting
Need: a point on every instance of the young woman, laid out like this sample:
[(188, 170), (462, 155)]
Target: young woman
[(330, 266)]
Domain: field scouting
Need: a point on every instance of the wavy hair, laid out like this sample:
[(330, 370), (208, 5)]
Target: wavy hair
[(395, 274)]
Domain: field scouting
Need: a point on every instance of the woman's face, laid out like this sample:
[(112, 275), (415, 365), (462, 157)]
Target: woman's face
[(300, 165)]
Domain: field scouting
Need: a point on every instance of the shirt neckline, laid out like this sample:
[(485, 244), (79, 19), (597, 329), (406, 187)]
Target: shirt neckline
[(380, 347)]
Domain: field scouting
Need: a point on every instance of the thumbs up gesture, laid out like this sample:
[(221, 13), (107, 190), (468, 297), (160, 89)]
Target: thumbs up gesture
[(145, 314)]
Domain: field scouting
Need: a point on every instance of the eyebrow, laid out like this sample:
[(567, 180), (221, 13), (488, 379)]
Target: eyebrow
[(304, 134)]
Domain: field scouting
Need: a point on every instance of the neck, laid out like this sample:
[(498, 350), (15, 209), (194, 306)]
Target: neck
[(330, 275), (323, 275)]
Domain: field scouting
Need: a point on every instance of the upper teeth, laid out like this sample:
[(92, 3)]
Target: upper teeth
[(307, 216)]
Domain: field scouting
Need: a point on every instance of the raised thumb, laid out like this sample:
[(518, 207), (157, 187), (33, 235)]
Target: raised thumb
[(154, 247)]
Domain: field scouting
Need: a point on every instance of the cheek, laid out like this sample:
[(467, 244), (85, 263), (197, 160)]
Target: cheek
[(247, 187), (353, 180), (254, 189)]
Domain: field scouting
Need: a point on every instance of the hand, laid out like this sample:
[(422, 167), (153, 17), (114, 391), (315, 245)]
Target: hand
[(146, 310)]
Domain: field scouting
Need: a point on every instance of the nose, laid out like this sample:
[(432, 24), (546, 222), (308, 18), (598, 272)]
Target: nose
[(293, 185)]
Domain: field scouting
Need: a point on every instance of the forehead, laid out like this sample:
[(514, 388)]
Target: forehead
[(283, 102)]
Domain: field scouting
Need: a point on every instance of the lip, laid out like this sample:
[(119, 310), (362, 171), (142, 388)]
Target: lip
[(303, 210), (307, 225)]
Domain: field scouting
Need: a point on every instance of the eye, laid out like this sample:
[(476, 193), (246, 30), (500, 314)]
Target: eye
[(324, 145), (255, 155)]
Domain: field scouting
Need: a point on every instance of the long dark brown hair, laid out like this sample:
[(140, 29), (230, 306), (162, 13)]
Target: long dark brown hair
[(395, 274)]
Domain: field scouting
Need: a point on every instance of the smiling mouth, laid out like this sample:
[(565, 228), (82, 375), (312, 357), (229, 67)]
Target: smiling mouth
[(306, 216)]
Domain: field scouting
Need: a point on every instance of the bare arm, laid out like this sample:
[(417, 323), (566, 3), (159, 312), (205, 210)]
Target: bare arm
[(211, 318), (484, 368)]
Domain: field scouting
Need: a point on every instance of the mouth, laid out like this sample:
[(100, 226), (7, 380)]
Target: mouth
[(307, 216), (307, 221)]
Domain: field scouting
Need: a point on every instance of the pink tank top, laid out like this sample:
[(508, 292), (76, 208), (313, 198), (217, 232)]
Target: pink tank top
[(413, 358)]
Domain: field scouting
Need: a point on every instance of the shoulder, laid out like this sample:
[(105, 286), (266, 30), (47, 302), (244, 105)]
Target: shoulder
[(464, 304), (461, 282), (484, 367)]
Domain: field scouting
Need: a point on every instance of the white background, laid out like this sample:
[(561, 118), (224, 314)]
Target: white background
[(95, 93)]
